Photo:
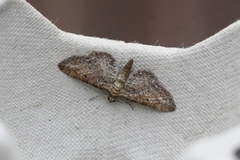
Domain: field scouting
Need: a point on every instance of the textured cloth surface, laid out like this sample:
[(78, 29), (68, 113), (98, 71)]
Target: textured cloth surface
[(54, 116)]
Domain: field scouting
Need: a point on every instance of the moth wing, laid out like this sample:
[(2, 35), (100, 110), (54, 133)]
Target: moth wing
[(143, 87), (97, 68)]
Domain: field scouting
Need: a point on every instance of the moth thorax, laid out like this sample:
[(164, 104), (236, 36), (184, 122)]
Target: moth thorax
[(115, 89)]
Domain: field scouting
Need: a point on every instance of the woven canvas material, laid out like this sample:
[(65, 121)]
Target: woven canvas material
[(54, 116)]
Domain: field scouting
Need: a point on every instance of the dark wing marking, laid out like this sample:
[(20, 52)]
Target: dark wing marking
[(144, 88), (97, 68)]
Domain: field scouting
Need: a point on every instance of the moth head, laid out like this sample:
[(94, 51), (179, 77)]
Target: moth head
[(111, 99)]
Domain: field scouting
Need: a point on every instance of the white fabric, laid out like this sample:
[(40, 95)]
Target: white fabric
[(53, 117)]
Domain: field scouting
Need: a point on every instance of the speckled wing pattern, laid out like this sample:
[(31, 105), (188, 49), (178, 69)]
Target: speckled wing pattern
[(97, 69), (143, 87)]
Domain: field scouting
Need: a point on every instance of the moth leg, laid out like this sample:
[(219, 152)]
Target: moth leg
[(93, 98)]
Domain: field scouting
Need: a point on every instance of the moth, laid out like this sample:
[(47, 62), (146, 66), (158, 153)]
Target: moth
[(99, 69)]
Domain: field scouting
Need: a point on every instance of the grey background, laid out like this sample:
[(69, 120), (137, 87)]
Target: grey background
[(171, 23)]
